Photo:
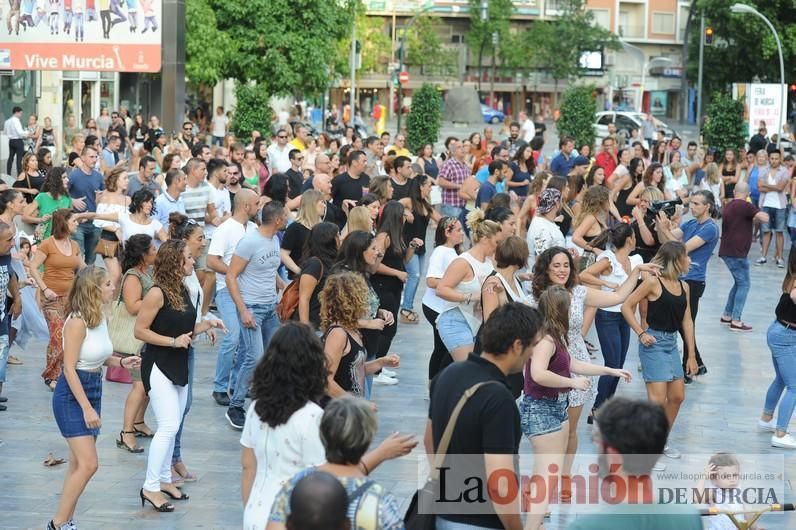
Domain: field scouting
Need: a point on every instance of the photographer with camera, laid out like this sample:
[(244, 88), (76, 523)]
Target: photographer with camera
[(644, 215), (700, 236)]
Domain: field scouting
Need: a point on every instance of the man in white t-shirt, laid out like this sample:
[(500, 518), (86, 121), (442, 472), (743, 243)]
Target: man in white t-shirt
[(544, 233), (527, 128), (774, 201), (219, 126), (278, 151), (219, 255)]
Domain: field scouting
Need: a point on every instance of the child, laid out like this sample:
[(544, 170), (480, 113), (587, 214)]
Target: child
[(723, 472)]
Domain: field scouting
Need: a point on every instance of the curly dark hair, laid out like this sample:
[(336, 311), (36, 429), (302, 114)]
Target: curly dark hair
[(54, 182), (292, 372), (168, 272), (139, 198), (134, 250), (541, 278)]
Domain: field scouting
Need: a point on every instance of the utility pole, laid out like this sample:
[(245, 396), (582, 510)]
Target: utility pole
[(172, 79), (699, 76), (495, 40), (353, 64)]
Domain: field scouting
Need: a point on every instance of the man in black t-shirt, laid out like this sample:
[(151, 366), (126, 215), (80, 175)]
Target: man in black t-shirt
[(348, 187), (489, 423), (403, 174), (295, 177)]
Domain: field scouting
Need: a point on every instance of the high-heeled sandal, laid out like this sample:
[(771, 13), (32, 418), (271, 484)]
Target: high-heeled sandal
[(183, 496), (165, 507), (139, 433), (121, 444)]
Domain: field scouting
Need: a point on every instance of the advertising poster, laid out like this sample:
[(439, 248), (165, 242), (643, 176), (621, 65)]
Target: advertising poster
[(658, 102), (762, 103), (86, 35)]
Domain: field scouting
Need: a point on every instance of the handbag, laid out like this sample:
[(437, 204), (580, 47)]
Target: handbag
[(288, 304), (106, 249), (118, 374), (414, 519), (121, 325)]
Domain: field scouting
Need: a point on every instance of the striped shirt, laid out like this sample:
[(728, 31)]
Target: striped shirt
[(196, 200)]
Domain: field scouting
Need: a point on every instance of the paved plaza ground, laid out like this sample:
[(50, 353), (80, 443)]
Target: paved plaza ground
[(720, 413)]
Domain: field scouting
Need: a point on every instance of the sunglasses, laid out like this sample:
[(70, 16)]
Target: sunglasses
[(282, 136)]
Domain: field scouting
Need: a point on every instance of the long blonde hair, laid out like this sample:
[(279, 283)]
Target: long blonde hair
[(308, 213), (669, 258), (713, 173), (359, 219), (85, 297), (596, 200)]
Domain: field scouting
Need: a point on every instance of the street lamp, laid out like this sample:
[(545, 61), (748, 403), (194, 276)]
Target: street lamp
[(747, 9)]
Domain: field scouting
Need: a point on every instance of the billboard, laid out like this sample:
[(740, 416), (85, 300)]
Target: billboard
[(88, 35), (763, 102)]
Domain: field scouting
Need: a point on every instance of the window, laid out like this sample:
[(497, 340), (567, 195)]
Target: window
[(663, 23), (457, 39), (606, 119), (624, 123), (602, 17)]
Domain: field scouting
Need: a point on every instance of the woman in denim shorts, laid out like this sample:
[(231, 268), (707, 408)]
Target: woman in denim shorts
[(78, 391), (548, 380), (667, 312)]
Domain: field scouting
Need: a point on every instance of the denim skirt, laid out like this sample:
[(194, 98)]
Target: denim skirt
[(66, 409), (540, 416), (660, 363)]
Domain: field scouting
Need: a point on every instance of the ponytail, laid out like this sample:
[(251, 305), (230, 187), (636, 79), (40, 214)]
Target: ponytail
[(617, 236)]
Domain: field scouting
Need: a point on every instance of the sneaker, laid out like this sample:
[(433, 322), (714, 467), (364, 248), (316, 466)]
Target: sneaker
[(741, 327), (780, 263), (767, 426), (222, 398), (14, 360), (384, 379), (671, 452), (388, 372), (761, 261), (786, 442), (236, 417), (659, 466)]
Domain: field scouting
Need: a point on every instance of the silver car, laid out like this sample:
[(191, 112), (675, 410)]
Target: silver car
[(625, 121)]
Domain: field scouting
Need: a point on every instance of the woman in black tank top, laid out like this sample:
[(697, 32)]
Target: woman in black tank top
[(667, 312), (344, 300), (730, 171)]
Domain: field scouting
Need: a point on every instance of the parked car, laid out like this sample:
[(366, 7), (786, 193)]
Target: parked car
[(491, 115), (625, 122)]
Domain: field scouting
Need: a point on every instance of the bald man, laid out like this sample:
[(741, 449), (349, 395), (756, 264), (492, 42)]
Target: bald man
[(318, 502), (322, 182), (322, 165), (219, 255)]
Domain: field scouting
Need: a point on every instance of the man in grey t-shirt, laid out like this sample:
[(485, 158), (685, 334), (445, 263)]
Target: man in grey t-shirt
[(253, 283), (145, 178)]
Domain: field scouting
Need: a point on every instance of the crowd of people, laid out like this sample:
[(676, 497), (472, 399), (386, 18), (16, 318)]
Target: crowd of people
[(301, 257)]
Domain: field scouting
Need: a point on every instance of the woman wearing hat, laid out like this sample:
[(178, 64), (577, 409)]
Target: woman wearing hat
[(544, 232)]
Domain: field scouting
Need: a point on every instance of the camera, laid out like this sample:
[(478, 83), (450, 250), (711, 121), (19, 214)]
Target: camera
[(667, 207)]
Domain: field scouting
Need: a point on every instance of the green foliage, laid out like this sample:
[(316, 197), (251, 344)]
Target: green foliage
[(284, 45), (479, 36), (425, 48), (743, 46), (556, 45), (252, 111), (206, 48), (725, 127), (577, 114), (376, 46), (425, 119)]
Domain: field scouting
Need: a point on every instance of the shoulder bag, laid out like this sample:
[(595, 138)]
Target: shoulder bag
[(414, 518), (121, 326), (288, 304)]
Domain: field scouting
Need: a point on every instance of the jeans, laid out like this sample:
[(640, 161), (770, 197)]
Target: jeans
[(16, 149), (87, 236), (253, 342), (4, 347), (739, 268), (695, 290), (176, 456), (229, 344), (614, 335), (414, 268), (167, 401), (782, 343), (218, 140), (440, 358), (451, 211)]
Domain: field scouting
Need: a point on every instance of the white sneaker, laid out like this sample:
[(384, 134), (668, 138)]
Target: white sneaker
[(659, 466), (383, 379), (388, 372), (767, 426), (786, 442), (671, 452)]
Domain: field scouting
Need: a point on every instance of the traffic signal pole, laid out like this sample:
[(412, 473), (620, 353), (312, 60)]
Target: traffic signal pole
[(699, 75)]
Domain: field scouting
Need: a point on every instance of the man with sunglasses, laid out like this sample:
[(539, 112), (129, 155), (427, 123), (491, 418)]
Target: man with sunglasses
[(295, 176), (186, 138), (119, 128), (278, 151)]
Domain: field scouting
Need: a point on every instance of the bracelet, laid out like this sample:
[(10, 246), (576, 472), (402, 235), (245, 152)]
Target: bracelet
[(173, 342), (364, 467), (642, 333)]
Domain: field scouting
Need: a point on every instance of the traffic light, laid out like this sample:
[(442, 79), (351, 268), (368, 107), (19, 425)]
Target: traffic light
[(708, 36), (394, 78), (357, 55)]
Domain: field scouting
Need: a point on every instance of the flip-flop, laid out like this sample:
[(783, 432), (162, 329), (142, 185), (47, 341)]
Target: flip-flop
[(51, 461)]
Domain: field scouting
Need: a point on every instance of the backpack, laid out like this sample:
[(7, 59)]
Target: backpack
[(288, 304)]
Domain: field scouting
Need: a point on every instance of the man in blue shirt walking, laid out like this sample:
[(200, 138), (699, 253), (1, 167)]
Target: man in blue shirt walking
[(562, 164), (84, 183)]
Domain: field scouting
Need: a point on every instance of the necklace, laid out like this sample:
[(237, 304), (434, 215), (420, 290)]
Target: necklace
[(64, 246)]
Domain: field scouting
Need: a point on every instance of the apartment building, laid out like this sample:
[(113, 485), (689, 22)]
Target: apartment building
[(645, 74)]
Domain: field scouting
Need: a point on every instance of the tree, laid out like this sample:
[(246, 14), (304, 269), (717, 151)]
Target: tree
[(375, 51), (743, 46), (284, 45), (479, 36), (425, 118), (577, 114), (425, 48), (556, 45), (252, 111), (206, 48), (725, 127)]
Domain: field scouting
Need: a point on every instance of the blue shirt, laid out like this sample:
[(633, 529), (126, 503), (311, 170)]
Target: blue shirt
[(754, 192), (85, 186), (561, 165), (483, 174), (164, 205), (708, 231), (485, 193)]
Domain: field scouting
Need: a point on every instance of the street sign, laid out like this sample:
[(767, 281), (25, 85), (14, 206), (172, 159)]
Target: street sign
[(403, 77)]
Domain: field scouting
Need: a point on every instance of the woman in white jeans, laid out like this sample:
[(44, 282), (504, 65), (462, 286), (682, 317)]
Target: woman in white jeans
[(166, 323)]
